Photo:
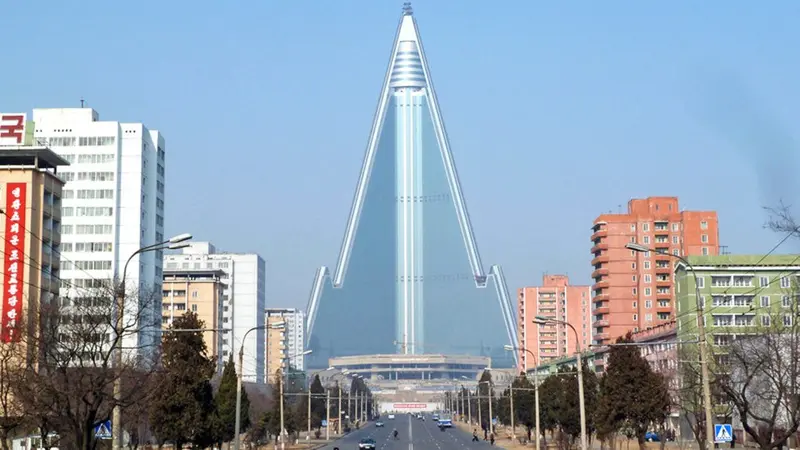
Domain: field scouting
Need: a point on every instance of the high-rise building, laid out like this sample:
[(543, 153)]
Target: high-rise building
[(243, 300), (409, 278), (286, 344), (558, 300), (113, 205), (635, 290), (199, 291), (31, 214)]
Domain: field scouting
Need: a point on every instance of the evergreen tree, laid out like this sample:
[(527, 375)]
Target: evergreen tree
[(632, 394), (225, 402), (318, 400), (183, 407)]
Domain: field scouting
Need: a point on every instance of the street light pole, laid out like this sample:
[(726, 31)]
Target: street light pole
[(469, 405), (701, 336), (581, 399), (174, 242), (511, 407)]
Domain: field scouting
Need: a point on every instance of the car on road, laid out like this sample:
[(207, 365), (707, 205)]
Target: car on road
[(391, 416), (367, 444), (445, 423), (379, 424)]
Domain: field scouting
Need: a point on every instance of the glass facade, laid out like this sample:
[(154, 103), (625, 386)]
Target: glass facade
[(412, 280)]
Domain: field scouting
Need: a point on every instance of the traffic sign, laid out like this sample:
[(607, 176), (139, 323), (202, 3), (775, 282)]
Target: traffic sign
[(103, 430), (723, 432)]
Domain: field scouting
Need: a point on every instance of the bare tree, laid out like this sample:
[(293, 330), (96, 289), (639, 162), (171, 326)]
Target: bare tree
[(13, 418), (760, 376), (70, 371)]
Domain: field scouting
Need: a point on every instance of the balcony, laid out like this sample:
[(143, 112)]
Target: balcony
[(599, 233), (600, 323), (601, 284), (602, 337), (602, 309), (664, 269), (600, 259), (661, 282), (601, 297), (600, 246), (601, 272)]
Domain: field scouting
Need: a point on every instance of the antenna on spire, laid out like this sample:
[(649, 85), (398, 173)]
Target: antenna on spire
[(407, 11), (82, 102)]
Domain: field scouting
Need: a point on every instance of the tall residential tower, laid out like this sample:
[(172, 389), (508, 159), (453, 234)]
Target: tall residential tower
[(113, 205), (409, 277), (634, 291)]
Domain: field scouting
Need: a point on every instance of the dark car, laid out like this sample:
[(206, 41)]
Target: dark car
[(367, 444)]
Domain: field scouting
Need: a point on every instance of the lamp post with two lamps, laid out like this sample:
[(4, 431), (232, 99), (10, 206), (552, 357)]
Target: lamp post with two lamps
[(535, 391), (542, 320), (172, 243), (701, 336)]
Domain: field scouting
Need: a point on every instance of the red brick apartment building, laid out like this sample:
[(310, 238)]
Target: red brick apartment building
[(633, 291), (557, 299)]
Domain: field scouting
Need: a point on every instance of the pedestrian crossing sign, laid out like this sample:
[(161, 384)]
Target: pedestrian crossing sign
[(723, 432)]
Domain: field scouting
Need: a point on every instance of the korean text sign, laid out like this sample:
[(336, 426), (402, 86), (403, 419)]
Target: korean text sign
[(14, 264), (12, 128)]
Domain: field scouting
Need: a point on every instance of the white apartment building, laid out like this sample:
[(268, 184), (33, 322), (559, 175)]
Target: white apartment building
[(243, 300), (112, 205), (294, 339)]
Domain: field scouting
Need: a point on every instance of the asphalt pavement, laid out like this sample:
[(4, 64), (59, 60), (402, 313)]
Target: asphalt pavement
[(413, 434)]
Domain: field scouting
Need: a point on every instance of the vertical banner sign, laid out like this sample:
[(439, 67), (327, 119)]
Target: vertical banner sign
[(14, 260)]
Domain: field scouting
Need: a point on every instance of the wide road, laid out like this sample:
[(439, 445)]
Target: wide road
[(413, 434)]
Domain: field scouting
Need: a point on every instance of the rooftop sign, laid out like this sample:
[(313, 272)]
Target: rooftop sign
[(12, 128)]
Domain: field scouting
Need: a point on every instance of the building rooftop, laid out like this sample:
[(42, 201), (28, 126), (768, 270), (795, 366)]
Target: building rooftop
[(35, 156), (744, 260)]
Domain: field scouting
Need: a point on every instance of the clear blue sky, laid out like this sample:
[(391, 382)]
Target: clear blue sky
[(557, 112)]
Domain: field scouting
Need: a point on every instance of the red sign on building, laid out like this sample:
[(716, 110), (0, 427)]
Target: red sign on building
[(14, 267), (12, 128)]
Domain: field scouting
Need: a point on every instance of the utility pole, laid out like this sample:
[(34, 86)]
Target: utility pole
[(339, 422), (511, 405), (283, 437), (327, 414), (469, 405), (309, 412), (491, 400)]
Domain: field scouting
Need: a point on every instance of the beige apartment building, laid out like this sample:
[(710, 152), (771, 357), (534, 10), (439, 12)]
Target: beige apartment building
[(198, 291), (31, 217), (277, 344)]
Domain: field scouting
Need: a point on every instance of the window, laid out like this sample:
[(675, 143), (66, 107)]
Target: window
[(648, 317), (785, 282), (648, 292), (701, 282), (764, 281), (765, 321), (95, 193), (764, 301), (635, 291), (86, 265), (635, 304), (647, 278), (646, 240), (705, 251), (675, 239), (787, 320), (633, 266), (704, 225), (94, 211), (648, 304), (633, 227), (634, 278), (194, 294), (675, 226), (194, 306), (676, 252), (647, 266), (96, 158), (93, 247), (635, 317), (786, 301), (645, 227), (704, 238), (95, 176)]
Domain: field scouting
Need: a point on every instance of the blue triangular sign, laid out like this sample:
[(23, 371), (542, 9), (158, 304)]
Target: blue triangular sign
[(103, 431)]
